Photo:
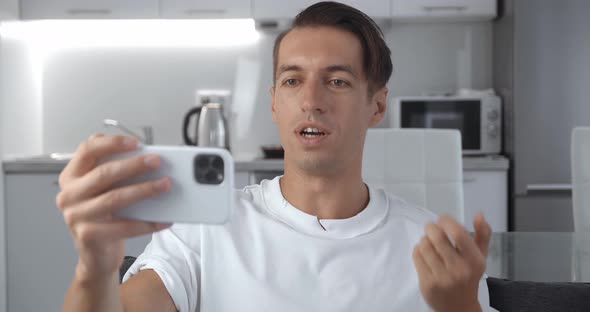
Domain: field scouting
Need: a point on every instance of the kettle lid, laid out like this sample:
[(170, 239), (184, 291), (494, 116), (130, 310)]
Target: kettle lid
[(213, 105)]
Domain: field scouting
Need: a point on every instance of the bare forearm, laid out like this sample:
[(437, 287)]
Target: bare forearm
[(93, 295)]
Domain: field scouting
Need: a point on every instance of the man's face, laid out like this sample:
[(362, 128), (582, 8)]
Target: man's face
[(320, 100)]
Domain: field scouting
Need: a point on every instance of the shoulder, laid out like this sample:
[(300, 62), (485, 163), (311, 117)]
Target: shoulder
[(408, 212), (255, 197), (248, 193)]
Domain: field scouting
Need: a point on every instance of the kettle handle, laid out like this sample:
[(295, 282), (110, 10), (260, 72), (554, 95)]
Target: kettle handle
[(187, 117)]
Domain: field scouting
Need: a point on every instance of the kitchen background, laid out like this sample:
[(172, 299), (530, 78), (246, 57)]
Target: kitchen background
[(156, 86), (53, 94)]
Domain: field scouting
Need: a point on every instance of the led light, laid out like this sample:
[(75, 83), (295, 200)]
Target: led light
[(63, 34), (212, 92)]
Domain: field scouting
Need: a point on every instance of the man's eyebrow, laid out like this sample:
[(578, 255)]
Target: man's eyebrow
[(287, 67), (337, 68), (329, 69)]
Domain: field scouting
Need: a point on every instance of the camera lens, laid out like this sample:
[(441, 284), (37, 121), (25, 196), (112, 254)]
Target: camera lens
[(211, 176), (217, 163), (202, 162), (209, 169)]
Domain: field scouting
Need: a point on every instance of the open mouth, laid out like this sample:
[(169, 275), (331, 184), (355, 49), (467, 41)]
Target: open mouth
[(312, 132)]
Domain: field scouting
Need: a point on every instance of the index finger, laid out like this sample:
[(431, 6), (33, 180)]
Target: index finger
[(458, 235), (90, 151), (483, 233)]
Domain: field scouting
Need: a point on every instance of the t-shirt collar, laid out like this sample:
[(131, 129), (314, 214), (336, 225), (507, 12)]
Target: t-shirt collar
[(362, 223)]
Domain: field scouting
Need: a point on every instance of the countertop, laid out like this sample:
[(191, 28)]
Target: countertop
[(46, 164)]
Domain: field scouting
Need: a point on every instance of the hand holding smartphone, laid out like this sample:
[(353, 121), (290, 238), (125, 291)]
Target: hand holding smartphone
[(202, 185)]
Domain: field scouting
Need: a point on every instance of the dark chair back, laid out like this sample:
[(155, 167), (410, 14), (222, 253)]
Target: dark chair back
[(507, 295)]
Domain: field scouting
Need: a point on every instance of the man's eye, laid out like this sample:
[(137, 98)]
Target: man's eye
[(291, 82), (338, 82)]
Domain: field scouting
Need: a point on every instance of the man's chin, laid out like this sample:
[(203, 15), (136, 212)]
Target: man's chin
[(317, 163)]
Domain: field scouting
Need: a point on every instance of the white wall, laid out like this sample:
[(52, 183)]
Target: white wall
[(21, 97), (144, 87), (156, 86)]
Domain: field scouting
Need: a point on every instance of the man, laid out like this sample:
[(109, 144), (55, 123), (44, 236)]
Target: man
[(315, 239)]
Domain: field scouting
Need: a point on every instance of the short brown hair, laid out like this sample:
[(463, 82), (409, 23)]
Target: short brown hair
[(376, 55)]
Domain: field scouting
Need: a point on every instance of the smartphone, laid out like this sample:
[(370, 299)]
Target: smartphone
[(202, 185)]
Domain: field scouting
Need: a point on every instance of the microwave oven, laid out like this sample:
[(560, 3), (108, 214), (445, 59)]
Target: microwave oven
[(478, 118)]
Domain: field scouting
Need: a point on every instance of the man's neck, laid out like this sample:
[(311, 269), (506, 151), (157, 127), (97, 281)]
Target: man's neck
[(339, 196)]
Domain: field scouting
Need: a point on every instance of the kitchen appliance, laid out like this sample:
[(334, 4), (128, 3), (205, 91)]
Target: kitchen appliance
[(211, 127), (478, 118), (542, 70)]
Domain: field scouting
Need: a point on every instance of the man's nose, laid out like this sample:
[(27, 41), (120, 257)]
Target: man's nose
[(313, 98)]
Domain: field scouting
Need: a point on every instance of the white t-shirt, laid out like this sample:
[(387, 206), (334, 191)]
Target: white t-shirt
[(272, 256)]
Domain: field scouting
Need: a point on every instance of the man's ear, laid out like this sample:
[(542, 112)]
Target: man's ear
[(379, 106), (272, 104)]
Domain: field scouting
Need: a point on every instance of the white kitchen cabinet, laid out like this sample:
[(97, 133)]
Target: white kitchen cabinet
[(486, 191), (438, 10), (272, 9), (88, 9), (40, 253), (205, 9)]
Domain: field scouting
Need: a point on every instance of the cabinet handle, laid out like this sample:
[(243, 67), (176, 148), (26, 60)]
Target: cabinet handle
[(547, 188), (205, 11), (469, 180), (89, 11), (432, 8)]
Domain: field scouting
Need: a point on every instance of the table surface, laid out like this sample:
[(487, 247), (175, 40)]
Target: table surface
[(540, 256)]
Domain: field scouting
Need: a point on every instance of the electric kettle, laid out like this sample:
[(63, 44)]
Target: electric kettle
[(211, 127)]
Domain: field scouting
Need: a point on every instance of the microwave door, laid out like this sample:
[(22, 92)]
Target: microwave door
[(462, 115), (445, 120)]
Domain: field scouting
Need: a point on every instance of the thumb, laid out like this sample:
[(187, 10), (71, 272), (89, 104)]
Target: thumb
[(483, 233)]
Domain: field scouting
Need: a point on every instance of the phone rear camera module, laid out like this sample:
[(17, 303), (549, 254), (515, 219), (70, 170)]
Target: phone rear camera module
[(202, 162), (209, 169), (217, 163)]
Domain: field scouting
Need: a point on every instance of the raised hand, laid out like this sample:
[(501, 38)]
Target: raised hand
[(88, 202), (450, 264)]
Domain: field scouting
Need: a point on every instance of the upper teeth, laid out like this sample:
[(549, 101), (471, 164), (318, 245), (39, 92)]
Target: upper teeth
[(311, 130)]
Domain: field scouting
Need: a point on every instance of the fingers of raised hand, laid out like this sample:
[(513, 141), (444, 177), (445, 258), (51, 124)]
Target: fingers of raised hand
[(431, 257), (421, 266), (102, 207), (448, 273), (435, 275), (442, 245), (466, 246), (432, 272), (104, 176), (483, 233), (458, 235), (90, 151)]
